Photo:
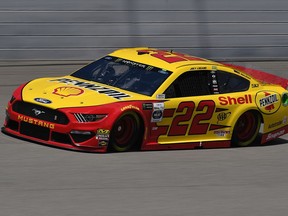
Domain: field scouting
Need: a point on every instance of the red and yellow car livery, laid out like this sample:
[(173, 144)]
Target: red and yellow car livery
[(150, 99)]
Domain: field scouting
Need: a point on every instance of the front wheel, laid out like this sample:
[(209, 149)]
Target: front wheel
[(126, 133), (246, 129)]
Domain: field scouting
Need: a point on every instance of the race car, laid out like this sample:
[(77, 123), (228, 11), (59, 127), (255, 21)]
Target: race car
[(150, 99)]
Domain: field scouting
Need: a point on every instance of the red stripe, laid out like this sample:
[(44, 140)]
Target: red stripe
[(193, 145), (262, 76)]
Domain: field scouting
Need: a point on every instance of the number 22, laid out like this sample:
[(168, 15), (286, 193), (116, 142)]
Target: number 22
[(179, 128)]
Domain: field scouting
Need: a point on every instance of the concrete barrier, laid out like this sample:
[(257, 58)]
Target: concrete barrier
[(85, 30)]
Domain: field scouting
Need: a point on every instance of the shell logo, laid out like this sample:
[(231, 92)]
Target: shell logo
[(67, 91), (268, 102)]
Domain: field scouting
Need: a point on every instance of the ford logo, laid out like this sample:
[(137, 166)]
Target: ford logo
[(42, 100)]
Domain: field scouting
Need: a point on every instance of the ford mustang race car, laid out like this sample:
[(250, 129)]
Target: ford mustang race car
[(150, 99)]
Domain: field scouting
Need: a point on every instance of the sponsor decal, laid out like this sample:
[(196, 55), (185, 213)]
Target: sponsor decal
[(103, 135), (157, 114), (274, 135), (100, 89), (42, 100), (222, 133), (222, 116), (134, 64), (227, 100), (275, 124), (255, 85), (160, 96), (139, 65), (245, 75), (268, 102), (147, 106), (36, 122), (278, 123), (109, 58), (285, 119), (161, 71), (129, 107), (149, 68), (199, 68), (214, 67), (103, 143), (215, 86), (154, 128), (67, 91)]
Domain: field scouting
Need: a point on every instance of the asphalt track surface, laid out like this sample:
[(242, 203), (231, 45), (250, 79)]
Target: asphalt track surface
[(44, 181)]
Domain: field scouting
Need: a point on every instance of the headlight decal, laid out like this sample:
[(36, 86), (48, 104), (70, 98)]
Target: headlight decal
[(82, 118), (79, 117)]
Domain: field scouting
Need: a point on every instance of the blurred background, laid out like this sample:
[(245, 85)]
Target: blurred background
[(246, 30)]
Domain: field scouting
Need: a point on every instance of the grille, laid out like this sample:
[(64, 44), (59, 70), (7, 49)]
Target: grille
[(34, 131), (13, 125), (61, 138), (43, 133), (40, 112), (78, 138)]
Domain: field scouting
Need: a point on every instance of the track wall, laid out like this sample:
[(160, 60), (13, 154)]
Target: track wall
[(88, 29)]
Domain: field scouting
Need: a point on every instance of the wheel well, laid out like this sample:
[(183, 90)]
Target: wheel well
[(261, 119), (250, 138), (139, 141), (142, 132), (259, 114)]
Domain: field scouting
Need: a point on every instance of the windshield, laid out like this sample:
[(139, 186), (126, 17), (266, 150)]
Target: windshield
[(124, 74)]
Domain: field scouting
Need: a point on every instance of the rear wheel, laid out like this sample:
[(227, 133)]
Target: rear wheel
[(126, 133), (246, 129)]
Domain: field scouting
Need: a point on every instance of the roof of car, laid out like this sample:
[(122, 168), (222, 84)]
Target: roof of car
[(164, 59)]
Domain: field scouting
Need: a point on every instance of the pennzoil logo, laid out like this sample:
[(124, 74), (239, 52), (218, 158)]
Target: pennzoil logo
[(67, 91), (94, 87), (268, 102), (36, 122)]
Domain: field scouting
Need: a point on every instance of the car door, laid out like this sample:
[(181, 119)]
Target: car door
[(198, 105)]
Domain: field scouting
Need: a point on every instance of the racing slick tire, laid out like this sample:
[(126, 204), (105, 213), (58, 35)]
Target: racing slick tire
[(126, 133), (246, 129)]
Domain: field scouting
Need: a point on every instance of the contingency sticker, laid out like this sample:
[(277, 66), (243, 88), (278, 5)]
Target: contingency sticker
[(157, 114), (103, 135)]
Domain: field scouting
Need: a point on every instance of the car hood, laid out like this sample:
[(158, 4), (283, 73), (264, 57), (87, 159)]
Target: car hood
[(68, 91)]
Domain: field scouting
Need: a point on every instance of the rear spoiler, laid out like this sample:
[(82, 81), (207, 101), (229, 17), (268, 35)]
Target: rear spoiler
[(262, 76)]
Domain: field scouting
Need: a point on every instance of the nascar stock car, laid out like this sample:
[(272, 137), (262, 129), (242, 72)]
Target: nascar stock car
[(150, 99)]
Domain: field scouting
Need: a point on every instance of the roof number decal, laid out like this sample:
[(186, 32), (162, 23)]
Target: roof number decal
[(169, 57)]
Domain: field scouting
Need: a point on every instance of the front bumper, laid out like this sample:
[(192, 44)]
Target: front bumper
[(71, 135)]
